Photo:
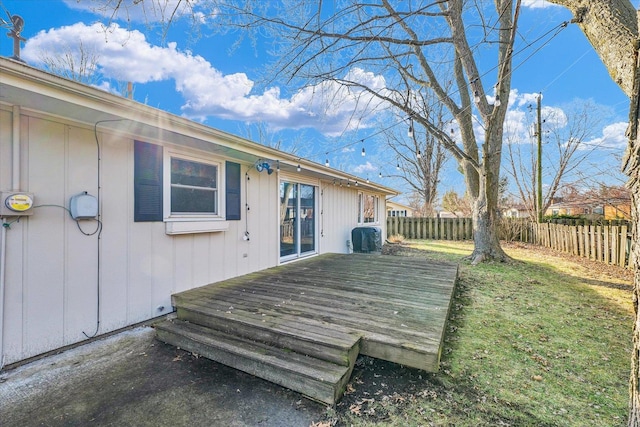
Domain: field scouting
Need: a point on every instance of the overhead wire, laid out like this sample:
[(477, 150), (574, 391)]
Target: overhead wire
[(555, 30)]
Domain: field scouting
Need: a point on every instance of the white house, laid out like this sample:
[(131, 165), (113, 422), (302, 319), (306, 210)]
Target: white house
[(395, 209), (110, 206)]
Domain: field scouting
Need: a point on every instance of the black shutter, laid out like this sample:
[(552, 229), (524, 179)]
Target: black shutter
[(232, 193), (147, 182)]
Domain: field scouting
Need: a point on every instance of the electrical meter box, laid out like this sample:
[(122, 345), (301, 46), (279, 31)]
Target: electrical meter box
[(16, 203), (83, 206)]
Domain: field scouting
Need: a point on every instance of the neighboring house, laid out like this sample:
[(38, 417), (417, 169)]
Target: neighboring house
[(516, 211), (451, 215), (610, 209), (180, 205), (395, 209)]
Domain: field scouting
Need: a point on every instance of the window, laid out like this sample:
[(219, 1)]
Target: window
[(370, 208), (190, 194), (194, 187), (367, 208)]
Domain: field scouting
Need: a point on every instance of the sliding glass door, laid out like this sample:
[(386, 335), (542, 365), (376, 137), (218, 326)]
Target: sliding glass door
[(297, 220)]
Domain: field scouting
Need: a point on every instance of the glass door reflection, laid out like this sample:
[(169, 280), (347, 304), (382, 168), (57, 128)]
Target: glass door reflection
[(297, 220), (288, 216)]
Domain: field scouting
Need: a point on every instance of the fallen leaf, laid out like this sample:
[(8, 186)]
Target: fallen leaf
[(536, 377), (355, 409)]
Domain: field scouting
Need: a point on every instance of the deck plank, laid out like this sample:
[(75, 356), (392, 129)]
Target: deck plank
[(398, 305)]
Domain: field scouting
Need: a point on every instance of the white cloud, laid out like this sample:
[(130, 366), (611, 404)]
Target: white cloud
[(126, 55), (367, 167), (613, 136), (521, 118), (554, 117), (537, 4)]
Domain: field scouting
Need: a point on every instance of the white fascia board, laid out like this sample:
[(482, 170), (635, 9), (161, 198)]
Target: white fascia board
[(111, 107)]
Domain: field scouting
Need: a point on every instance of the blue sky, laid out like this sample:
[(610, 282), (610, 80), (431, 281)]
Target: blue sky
[(208, 80)]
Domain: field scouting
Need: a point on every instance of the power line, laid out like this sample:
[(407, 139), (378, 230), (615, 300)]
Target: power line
[(558, 28)]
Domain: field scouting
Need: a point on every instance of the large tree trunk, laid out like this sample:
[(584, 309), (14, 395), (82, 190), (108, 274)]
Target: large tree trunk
[(486, 215), (632, 169), (486, 226), (612, 28), (634, 383)]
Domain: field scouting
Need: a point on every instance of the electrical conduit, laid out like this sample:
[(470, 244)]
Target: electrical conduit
[(15, 185)]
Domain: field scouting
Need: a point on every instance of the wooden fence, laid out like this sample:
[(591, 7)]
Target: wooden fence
[(610, 244), (431, 228), (606, 242)]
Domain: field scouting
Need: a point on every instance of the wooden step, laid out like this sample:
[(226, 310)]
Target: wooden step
[(315, 378), (325, 342)]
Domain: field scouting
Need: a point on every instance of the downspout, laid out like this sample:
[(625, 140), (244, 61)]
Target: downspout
[(15, 153), (15, 185)]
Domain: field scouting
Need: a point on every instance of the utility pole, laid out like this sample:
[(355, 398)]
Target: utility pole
[(539, 134)]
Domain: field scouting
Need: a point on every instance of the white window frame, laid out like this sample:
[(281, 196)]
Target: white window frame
[(188, 223), (376, 208)]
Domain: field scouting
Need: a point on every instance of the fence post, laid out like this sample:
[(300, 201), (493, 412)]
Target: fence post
[(609, 249), (623, 246), (599, 233), (615, 244)]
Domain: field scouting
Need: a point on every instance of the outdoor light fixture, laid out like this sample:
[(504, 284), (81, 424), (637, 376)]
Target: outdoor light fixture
[(419, 154), (380, 175), (410, 132), (298, 168), (476, 97), (278, 165), (367, 180), (363, 152), (264, 166), (497, 102), (398, 167), (326, 163), (356, 183)]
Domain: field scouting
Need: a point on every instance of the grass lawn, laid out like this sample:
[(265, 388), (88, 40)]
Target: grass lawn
[(544, 340)]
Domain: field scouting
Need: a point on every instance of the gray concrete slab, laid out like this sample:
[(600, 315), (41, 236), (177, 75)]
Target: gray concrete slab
[(130, 379)]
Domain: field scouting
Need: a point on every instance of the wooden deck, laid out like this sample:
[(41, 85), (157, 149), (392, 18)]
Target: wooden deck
[(331, 307)]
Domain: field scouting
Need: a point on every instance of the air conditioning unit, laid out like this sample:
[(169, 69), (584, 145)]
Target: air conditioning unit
[(366, 239)]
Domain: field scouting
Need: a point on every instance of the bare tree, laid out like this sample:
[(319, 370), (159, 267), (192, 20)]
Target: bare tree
[(420, 156), (76, 62), (616, 21), (454, 203), (564, 135), (376, 47), (261, 133)]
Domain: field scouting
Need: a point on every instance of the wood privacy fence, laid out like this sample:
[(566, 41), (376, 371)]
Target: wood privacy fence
[(604, 242), (610, 244), (431, 228)]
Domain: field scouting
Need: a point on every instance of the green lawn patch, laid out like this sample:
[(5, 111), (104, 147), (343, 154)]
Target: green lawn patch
[(544, 340)]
